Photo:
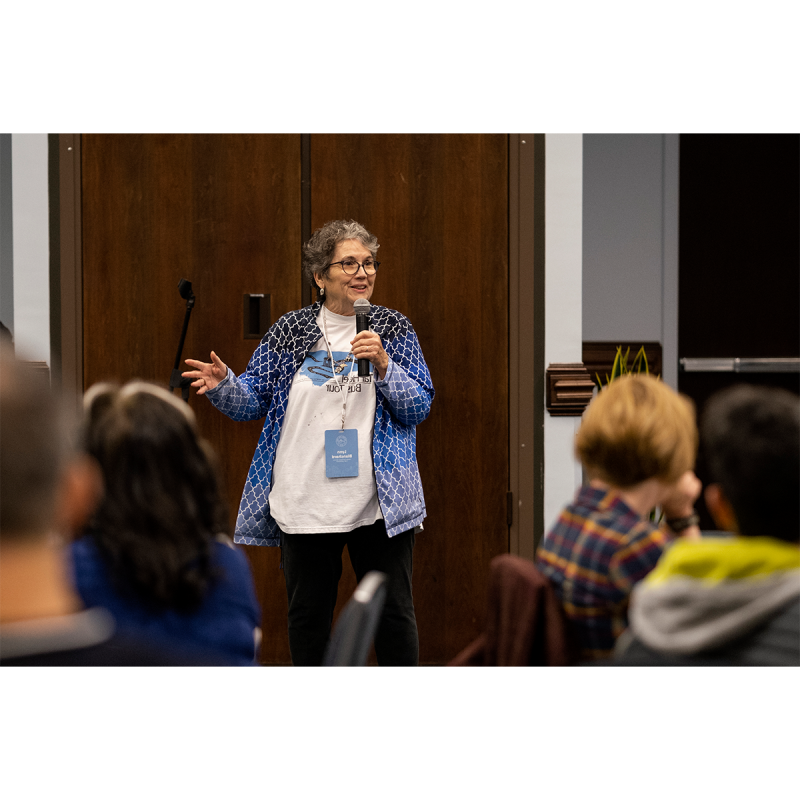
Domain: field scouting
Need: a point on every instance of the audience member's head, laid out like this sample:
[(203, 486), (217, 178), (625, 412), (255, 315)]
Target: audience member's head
[(44, 487), (162, 505), (47, 491), (637, 428), (751, 443)]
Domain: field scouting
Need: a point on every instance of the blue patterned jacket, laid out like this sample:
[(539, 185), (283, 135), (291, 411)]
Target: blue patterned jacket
[(403, 401)]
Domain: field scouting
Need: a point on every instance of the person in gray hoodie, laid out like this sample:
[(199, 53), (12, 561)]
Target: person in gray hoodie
[(735, 600)]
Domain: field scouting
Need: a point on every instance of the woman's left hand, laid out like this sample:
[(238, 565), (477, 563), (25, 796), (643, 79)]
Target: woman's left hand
[(368, 345)]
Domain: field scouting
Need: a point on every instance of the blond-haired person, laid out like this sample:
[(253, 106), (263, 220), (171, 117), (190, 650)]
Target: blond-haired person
[(637, 444)]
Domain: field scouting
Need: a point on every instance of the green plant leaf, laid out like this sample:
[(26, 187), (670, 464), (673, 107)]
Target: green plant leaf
[(640, 359), (616, 370)]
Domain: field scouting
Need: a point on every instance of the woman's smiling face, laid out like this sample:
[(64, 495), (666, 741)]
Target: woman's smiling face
[(342, 290)]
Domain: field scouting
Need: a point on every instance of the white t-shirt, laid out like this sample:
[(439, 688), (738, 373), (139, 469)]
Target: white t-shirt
[(303, 499)]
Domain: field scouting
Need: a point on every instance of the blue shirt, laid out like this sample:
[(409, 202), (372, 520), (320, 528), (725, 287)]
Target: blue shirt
[(224, 622)]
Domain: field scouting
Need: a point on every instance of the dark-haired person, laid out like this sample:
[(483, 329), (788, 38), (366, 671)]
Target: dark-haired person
[(732, 601), (47, 491), (303, 379), (637, 443), (154, 554)]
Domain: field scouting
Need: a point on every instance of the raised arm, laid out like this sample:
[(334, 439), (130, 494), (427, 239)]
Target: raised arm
[(241, 398), (205, 375), (678, 506)]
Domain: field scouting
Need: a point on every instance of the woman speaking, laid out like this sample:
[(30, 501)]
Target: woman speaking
[(336, 461)]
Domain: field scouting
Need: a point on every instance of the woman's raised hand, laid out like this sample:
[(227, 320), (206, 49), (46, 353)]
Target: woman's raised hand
[(205, 376)]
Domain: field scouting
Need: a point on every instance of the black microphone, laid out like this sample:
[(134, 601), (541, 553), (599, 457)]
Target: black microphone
[(362, 308)]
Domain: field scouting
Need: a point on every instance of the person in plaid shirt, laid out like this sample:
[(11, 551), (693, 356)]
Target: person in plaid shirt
[(637, 443)]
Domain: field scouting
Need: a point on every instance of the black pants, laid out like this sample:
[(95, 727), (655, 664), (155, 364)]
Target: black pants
[(312, 565)]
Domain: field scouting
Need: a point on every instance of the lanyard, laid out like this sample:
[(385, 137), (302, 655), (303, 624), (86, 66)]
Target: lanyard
[(333, 365)]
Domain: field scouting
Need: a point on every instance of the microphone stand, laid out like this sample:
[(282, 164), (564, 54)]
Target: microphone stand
[(176, 381)]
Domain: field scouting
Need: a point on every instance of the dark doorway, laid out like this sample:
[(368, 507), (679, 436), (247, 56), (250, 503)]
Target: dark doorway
[(739, 273)]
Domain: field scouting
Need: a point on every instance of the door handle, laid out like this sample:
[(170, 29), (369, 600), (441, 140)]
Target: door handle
[(740, 364)]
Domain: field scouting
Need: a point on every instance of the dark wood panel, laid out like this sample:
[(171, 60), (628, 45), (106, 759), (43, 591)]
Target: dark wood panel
[(439, 206), (224, 212)]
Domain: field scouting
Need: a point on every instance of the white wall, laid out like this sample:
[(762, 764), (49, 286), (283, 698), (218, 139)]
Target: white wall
[(31, 248), (630, 241), (563, 318), (6, 235)]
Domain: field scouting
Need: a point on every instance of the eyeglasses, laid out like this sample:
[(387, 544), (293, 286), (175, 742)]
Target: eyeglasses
[(350, 266)]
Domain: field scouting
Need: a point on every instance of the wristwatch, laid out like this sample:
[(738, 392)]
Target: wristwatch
[(681, 523)]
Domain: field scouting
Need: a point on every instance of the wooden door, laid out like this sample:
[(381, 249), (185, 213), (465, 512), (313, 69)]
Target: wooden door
[(225, 212), (438, 205)]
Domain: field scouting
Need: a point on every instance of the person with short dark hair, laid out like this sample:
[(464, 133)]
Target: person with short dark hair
[(637, 443), (732, 601), (155, 553)]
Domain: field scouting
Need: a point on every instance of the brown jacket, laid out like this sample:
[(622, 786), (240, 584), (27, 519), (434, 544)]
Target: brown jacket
[(525, 624)]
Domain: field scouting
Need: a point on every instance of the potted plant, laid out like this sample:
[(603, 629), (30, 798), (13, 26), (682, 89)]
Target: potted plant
[(620, 366)]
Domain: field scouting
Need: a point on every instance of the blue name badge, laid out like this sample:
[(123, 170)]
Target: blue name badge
[(341, 453)]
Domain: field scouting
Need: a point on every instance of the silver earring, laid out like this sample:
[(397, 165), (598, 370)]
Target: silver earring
[(322, 291)]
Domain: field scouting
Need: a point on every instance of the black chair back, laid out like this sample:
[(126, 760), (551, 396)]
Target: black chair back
[(356, 626)]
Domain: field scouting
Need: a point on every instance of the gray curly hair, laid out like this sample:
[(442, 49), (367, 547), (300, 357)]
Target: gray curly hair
[(318, 250)]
